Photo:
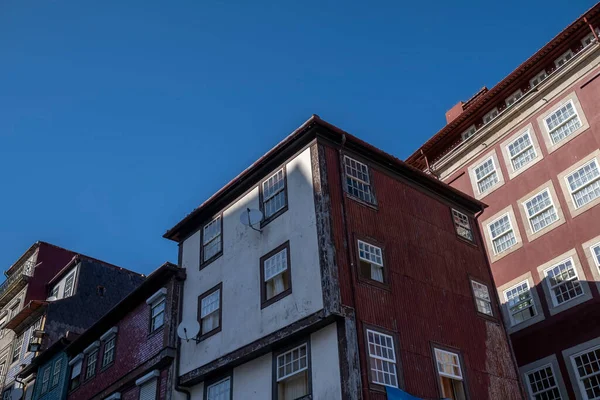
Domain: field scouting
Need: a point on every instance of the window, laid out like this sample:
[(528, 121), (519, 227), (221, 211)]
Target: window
[(90, 366), (450, 373), (371, 261), (158, 315), (469, 132), (209, 310), (542, 384), (482, 298), (274, 195), (17, 346), (584, 183), (109, 352), (536, 80), (358, 181), (562, 122), (462, 225), (212, 240), (563, 282), (56, 372), (275, 275), (46, 379), (69, 285), (148, 390), (3, 321), (220, 390), (587, 369), (75, 375), (502, 234), (521, 151), (486, 175), (562, 60), (596, 253), (292, 373), (514, 97), (540, 211), (490, 115), (521, 306), (54, 292), (382, 359), (2, 368)]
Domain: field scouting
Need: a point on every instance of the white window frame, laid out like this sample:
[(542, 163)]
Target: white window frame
[(296, 372), (563, 58), (458, 364), (594, 256), (366, 183), (489, 116), (511, 229), (459, 218), (590, 37), (218, 220), (557, 109), (18, 340), (548, 207), (493, 171), (531, 299), (376, 252), (282, 190), (205, 311), (572, 192), (576, 371), (383, 359), (475, 286), (218, 383), (555, 303), (513, 98), (472, 130), (533, 371), (71, 289), (531, 145), (539, 78)]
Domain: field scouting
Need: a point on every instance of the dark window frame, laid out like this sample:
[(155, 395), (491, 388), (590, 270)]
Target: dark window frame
[(203, 263), (436, 345), (214, 331), (70, 387), (399, 370), (304, 341), (266, 220), (472, 226), (14, 352), (87, 378), (151, 329), (386, 273), (264, 302), (373, 204), (217, 379), (104, 342)]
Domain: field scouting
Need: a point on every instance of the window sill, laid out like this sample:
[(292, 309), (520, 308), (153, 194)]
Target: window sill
[(107, 366), (266, 221), (379, 285), (372, 206), (210, 260), (275, 299), (209, 334), (155, 332)]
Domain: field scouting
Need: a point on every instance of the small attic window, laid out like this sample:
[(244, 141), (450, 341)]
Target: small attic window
[(100, 290)]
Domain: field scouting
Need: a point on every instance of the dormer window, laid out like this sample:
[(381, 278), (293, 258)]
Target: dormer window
[(536, 80), (469, 132), (157, 309), (590, 38), (490, 115), (562, 60), (514, 97)]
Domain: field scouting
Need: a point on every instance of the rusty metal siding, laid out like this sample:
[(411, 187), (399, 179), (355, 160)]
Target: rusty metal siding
[(429, 297)]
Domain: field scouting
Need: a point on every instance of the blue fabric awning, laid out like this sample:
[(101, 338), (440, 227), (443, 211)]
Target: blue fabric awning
[(397, 394)]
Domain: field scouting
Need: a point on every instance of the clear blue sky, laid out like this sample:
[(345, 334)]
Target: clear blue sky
[(117, 118)]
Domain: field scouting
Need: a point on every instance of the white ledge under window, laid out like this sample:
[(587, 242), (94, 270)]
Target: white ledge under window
[(76, 359), (150, 375), (92, 347), (111, 332), (114, 396), (157, 296)]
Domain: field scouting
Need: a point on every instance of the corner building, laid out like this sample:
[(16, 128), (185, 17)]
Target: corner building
[(364, 274), (530, 148)]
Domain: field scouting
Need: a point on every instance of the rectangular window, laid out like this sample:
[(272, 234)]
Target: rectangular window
[(486, 175), (158, 315), (562, 122), (502, 234), (2, 368), (536, 80), (584, 184), (382, 359), (595, 249), (3, 321), (75, 375), (148, 390), (209, 312), (17, 346), (587, 367), (540, 211), (90, 366), (54, 292), (514, 97), (450, 373), (275, 275), (273, 195), (220, 390), (371, 261), (521, 151), (490, 115), (483, 301), (56, 372), (212, 239), (521, 306), (358, 180), (563, 282), (469, 132), (562, 60), (46, 379), (462, 225), (542, 384), (69, 285), (293, 373), (109, 352)]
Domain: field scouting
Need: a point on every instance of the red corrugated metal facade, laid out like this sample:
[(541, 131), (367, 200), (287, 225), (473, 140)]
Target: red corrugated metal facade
[(429, 299)]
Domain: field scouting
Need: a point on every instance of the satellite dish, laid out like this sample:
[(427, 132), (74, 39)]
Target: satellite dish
[(250, 217), (16, 394), (52, 298), (188, 330)]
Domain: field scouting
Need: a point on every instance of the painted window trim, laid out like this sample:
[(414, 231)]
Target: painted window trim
[(473, 281), (205, 263), (533, 303), (547, 279), (495, 170), (397, 362), (551, 206), (526, 132), (264, 302), (534, 370), (375, 243), (569, 355), (593, 160), (373, 202), (555, 110), (458, 352), (214, 331), (282, 210), (511, 229), (469, 228), (280, 351)]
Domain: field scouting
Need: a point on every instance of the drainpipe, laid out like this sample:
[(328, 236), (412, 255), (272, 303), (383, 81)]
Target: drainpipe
[(592, 28), (178, 388)]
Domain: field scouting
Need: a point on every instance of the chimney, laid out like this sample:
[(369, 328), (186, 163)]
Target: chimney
[(454, 112)]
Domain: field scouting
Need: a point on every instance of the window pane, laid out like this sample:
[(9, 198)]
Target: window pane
[(486, 175), (563, 122), (292, 362), (219, 390), (563, 282), (448, 364), (210, 303), (462, 225), (275, 264), (542, 384), (588, 372), (382, 358), (520, 303), (357, 179)]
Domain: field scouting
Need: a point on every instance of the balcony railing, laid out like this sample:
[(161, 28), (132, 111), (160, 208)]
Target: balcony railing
[(15, 282)]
